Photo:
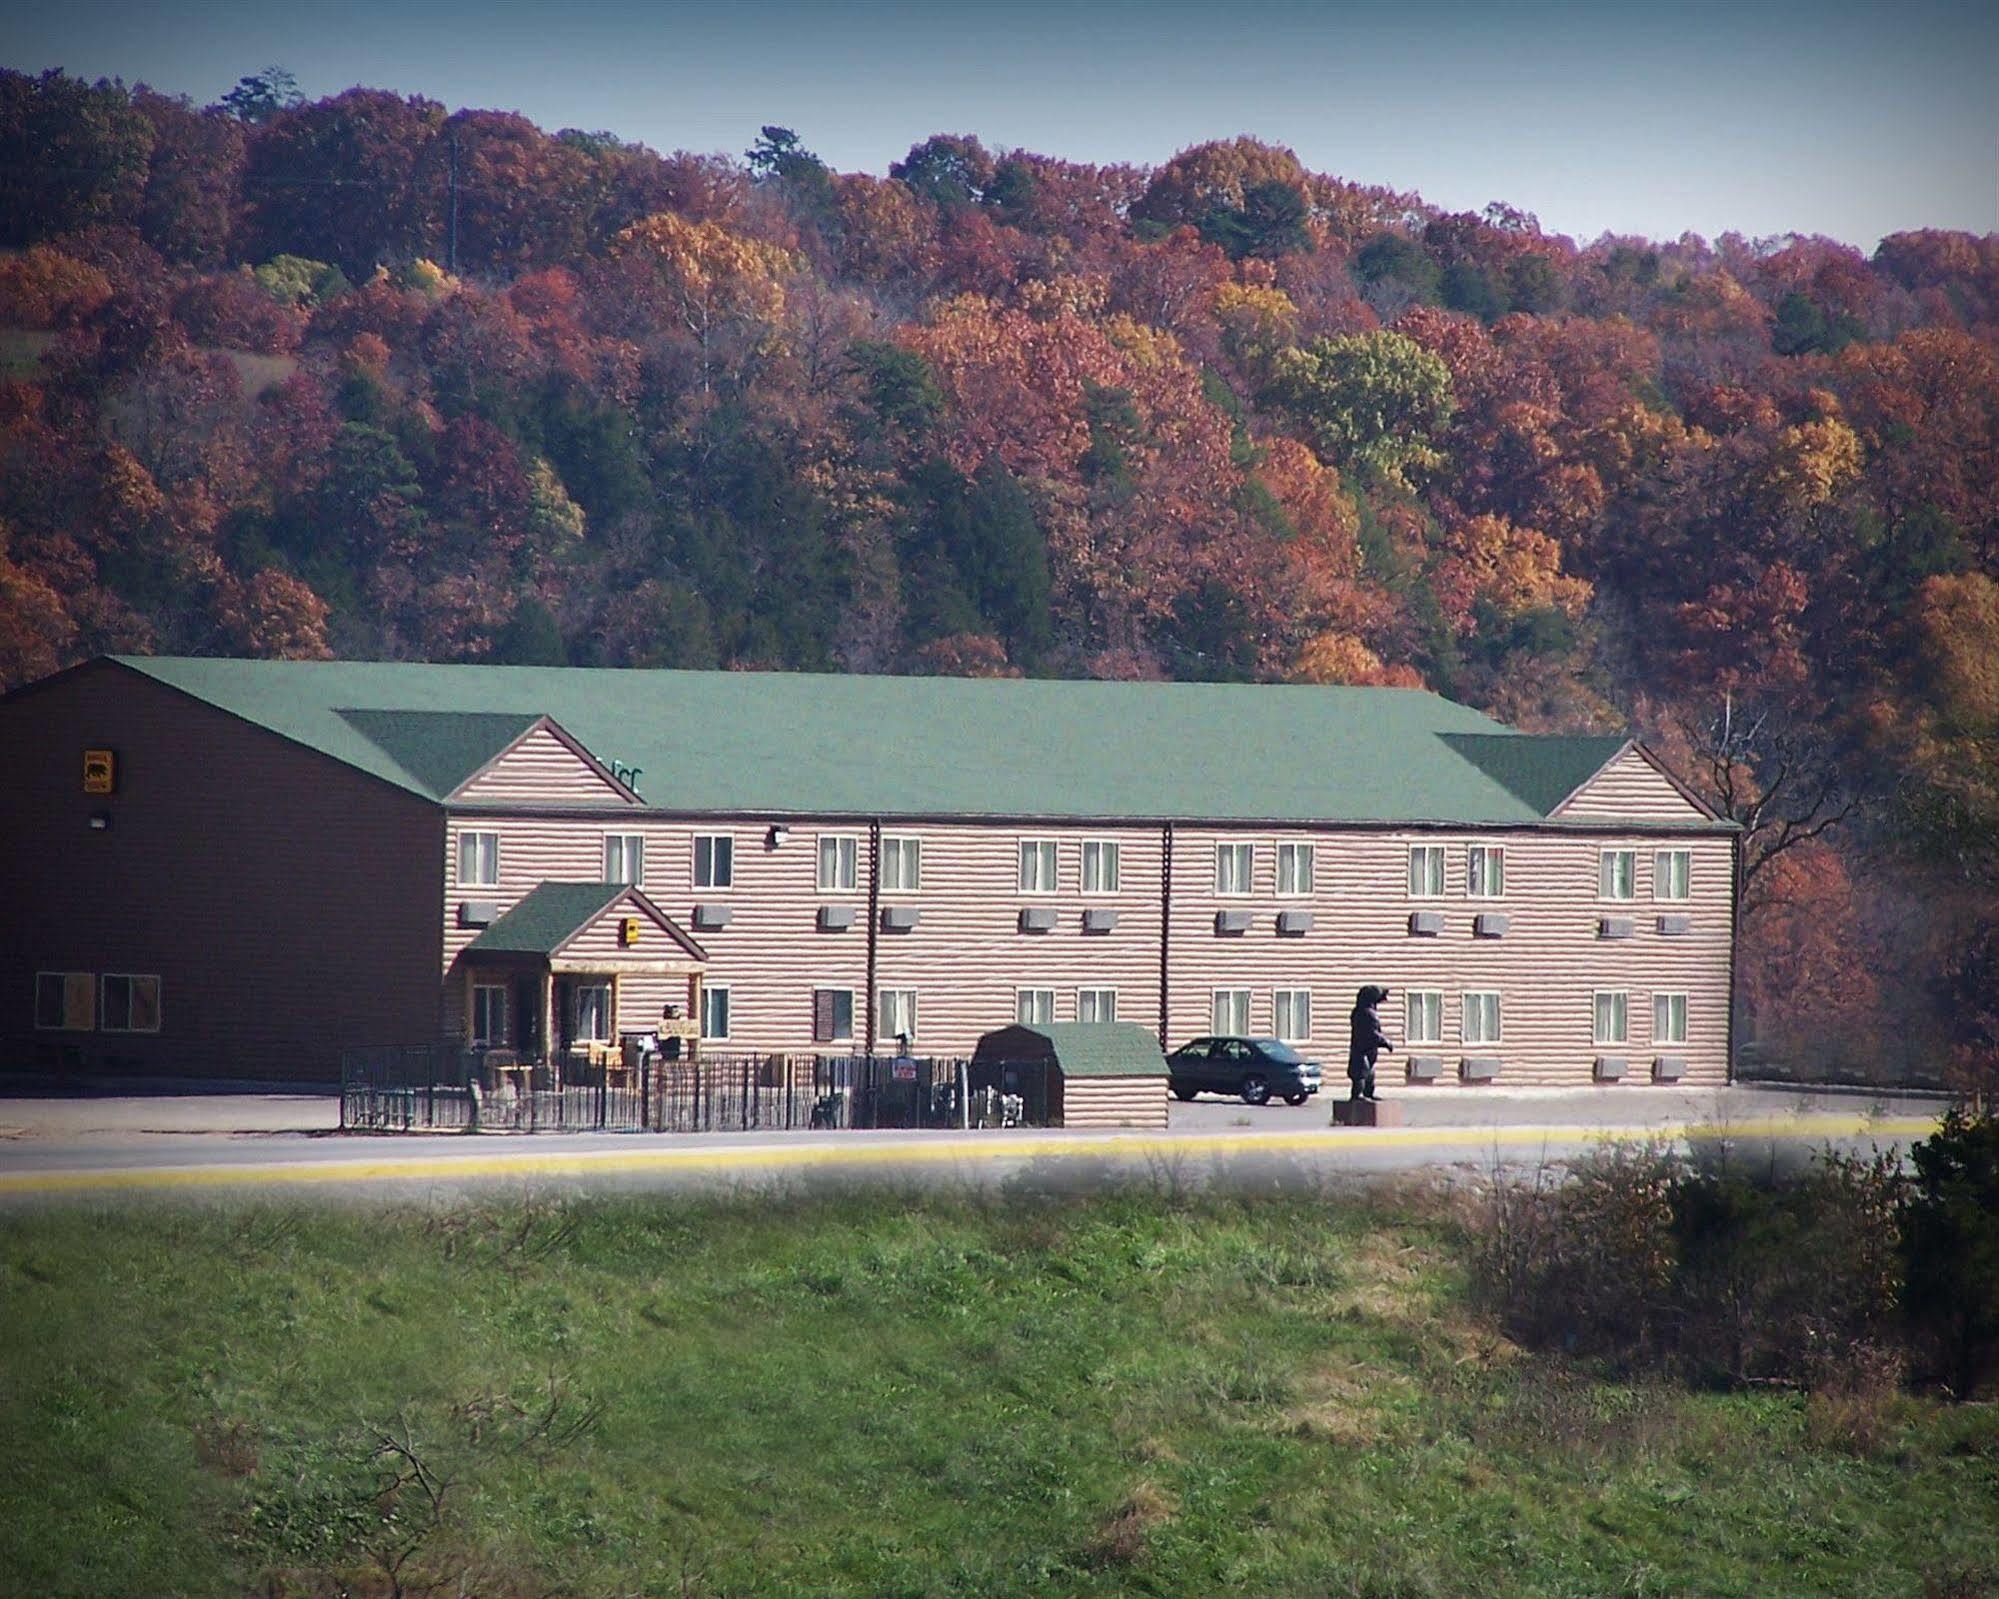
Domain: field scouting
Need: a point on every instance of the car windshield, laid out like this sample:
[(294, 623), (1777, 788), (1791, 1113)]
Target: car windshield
[(1275, 1049)]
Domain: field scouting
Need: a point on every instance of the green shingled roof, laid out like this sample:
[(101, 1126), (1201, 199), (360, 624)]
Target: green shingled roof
[(1091, 1049), (770, 743), (546, 920)]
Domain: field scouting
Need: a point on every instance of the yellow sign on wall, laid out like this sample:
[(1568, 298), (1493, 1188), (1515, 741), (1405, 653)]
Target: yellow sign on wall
[(628, 931), (100, 771)]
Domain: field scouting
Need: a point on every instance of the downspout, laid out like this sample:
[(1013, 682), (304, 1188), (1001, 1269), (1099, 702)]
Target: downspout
[(874, 920), (1165, 925), (1734, 933)]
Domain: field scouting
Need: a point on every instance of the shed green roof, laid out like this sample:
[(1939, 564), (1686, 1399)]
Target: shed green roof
[(1091, 1049), (547, 919), (772, 743)]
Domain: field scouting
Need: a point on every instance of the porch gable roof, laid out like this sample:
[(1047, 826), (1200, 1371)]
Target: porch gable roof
[(555, 912)]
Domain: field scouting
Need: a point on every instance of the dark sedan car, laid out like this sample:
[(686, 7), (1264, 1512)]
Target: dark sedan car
[(1254, 1068)]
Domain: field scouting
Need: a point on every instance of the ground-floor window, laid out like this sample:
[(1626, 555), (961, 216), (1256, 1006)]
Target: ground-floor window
[(1096, 1004), (1669, 1018), (1033, 1006), (832, 1015), (590, 1012), (898, 1015), (1481, 1018), (489, 1015), (66, 1001), (1612, 1017), (1294, 1014), (714, 1013), (1423, 1016), (131, 1004), (1231, 1012)]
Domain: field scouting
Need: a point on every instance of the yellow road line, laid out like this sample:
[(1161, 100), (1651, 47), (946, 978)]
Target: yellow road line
[(749, 1159)]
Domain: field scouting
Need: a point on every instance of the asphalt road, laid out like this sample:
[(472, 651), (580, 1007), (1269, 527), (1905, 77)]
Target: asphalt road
[(69, 1148)]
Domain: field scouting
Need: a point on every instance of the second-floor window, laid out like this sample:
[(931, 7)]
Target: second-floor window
[(1485, 871), (1037, 867), (625, 858), (839, 863), (478, 860), (1423, 1016), (1612, 1017), (714, 860), (902, 866), (1233, 865), (1426, 871), (1617, 874), (1481, 1018), (1100, 866), (1672, 873), (1295, 867)]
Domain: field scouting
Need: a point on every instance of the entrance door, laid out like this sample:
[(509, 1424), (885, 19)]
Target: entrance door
[(527, 1016)]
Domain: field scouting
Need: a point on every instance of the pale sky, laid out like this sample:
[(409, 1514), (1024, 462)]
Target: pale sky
[(1851, 120)]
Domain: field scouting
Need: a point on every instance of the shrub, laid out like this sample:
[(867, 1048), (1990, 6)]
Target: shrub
[(1950, 1249)]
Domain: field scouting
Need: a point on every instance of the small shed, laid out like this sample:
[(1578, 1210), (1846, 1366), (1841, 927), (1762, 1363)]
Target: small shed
[(1091, 1074)]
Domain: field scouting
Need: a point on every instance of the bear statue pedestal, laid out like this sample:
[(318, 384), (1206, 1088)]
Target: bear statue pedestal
[(1366, 1113)]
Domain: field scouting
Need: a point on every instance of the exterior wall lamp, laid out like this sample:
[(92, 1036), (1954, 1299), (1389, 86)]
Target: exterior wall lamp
[(100, 821), (775, 838)]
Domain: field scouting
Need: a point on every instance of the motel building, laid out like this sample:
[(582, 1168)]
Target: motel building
[(222, 868)]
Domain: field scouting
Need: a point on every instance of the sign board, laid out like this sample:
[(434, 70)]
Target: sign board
[(903, 1071), (100, 771), (628, 931)]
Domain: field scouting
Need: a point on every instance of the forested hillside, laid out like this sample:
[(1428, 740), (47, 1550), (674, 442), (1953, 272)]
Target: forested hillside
[(359, 377)]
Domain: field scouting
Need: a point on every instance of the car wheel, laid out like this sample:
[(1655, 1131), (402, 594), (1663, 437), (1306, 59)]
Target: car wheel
[(1185, 1093), (1296, 1099), (1255, 1089)]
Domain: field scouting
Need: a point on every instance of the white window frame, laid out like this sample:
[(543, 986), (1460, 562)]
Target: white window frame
[(847, 845), (1605, 882), (1686, 859), (1216, 997), (1296, 853), (1243, 852), (694, 865), (1287, 1031), (1610, 1017), (87, 984), (853, 1013), (632, 848), (896, 999), (1104, 1001), (726, 993), (1495, 854), (473, 836), (1044, 998), (104, 1001), (610, 991), (1046, 853), (1472, 1004), (1432, 1032), (1663, 1005), (1424, 890), (907, 849), (477, 1035), (1106, 853)]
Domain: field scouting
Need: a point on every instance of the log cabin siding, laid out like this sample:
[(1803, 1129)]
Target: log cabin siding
[(541, 770), (286, 901), (1629, 789), (1103, 1102)]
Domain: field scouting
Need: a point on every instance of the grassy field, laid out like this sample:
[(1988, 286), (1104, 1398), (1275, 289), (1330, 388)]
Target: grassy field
[(878, 1395)]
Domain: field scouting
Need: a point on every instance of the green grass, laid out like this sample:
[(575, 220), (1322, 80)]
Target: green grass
[(891, 1395)]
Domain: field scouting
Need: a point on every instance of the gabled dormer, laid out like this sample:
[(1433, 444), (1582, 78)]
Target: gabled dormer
[(492, 757), (1633, 786)]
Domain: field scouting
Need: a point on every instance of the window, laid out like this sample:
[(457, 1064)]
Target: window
[(1231, 1011), (1612, 1012), (1032, 1006), (1294, 1014), (1485, 871), (902, 866), (714, 860), (590, 1012), (1233, 865), (1481, 1019), (625, 858), (1294, 869), (715, 1013), (898, 1015), (1672, 873), (1617, 874), (1426, 871), (478, 860), (1422, 1017), (832, 1015), (131, 1004), (839, 863), (66, 1001), (1100, 866), (1096, 1004), (1037, 866), (1669, 1018), (489, 1014)]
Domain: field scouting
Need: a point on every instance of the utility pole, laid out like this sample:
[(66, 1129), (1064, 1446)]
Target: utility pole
[(451, 265)]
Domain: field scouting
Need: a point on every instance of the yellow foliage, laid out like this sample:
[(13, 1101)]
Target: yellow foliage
[(1065, 294), (1342, 658), (1958, 617), (1511, 569), (1812, 462), (1256, 321), (710, 276)]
